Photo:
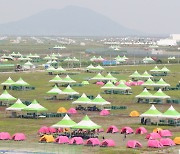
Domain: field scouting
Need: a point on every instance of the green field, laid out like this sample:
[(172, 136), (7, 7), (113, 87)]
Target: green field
[(119, 118)]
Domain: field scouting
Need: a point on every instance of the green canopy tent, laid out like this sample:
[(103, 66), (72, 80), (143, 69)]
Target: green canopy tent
[(86, 123), (24, 58), (6, 97), (100, 58), (146, 75), (82, 100), (160, 95), (66, 122), (50, 69), (34, 107), (135, 75), (67, 79), (69, 91), (149, 82), (99, 67), (165, 69), (85, 82), (93, 58), (21, 83), (161, 83), (109, 85), (17, 106), (98, 77), (47, 57), (54, 91), (122, 86), (99, 101), (145, 94), (90, 67), (56, 79), (59, 70), (152, 112), (74, 59), (171, 113), (155, 69), (68, 59), (8, 82), (110, 77)]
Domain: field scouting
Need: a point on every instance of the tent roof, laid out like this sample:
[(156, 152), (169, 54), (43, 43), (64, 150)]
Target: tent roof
[(135, 74), (110, 77), (86, 123), (8, 82), (160, 94), (98, 77), (161, 82), (171, 113), (82, 100), (146, 75), (69, 91), (5, 96), (55, 90), (99, 101), (165, 69), (56, 79), (109, 85), (122, 86), (67, 79), (21, 82), (149, 82), (152, 112), (17, 106), (145, 94), (155, 69), (66, 122)]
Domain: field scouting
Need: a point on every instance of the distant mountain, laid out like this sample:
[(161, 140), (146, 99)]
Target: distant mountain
[(69, 21)]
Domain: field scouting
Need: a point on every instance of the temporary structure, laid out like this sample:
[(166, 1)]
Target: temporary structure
[(141, 130), (149, 82), (61, 110), (109, 77), (66, 122), (146, 75), (5, 96), (18, 137), (21, 83), (171, 113), (112, 129), (153, 136), (154, 144), (152, 112), (108, 143), (161, 83), (109, 85), (56, 79), (126, 130), (135, 75), (145, 94), (54, 91), (99, 101), (69, 91), (86, 123), (93, 142), (98, 77), (165, 69), (47, 138), (82, 100), (122, 86), (134, 114), (161, 95), (8, 82), (67, 79), (155, 69), (34, 107), (17, 106)]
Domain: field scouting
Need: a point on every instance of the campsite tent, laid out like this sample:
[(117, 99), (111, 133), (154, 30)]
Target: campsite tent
[(76, 140), (43, 130), (133, 144), (167, 142), (149, 82), (18, 137), (5, 136), (67, 79), (108, 143), (122, 86), (66, 122), (161, 83), (47, 138), (177, 140), (86, 123), (93, 141), (127, 130), (157, 130), (62, 139), (61, 110), (146, 75), (154, 144), (109, 85), (165, 133), (34, 107), (141, 130), (72, 111), (98, 77), (155, 69), (104, 112), (17, 106), (112, 129), (134, 114), (135, 75), (110, 77), (153, 136), (165, 69), (20, 82)]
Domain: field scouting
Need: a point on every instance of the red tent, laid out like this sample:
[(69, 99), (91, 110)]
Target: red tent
[(112, 129), (141, 130), (5, 136), (127, 130), (108, 143), (167, 142), (165, 133), (153, 136), (93, 141), (18, 137), (154, 144), (62, 139), (133, 144), (76, 140), (72, 111)]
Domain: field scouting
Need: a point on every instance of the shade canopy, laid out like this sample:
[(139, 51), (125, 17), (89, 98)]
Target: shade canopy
[(17, 106), (5, 96), (160, 94), (145, 94), (59, 69), (55, 90), (56, 79), (98, 77), (66, 122), (149, 82), (135, 75), (35, 107), (21, 82), (82, 100), (86, 123), (155, 69), (67, 79), (171, 113), (109, 85), (165, 69), (122, 86), (162, 83), (152, 112), (90, 67), (69, 91), (110, 77), (146, 75), (8, 82), (99, 101), (28, 64)]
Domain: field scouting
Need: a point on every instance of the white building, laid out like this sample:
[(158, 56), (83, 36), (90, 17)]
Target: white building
[(167, 42), (175, 37)]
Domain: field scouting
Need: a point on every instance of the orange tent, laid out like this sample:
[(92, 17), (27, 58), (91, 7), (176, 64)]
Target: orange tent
[(61, 110), (47, 138), (156, 130), (177, 140), (134, 114)]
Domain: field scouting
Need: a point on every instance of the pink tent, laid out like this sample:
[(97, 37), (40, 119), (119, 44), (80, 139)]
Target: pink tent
[(52, 130), (128, 84), (62, 139), (108, 143), (93, 141), (112, 129), (141, 130), (43, 130), (167, 142), (153, 136), (127, 130), (140, 82), (165, 133), (133, 83), (76, 140), (18, 137), (133, 144), (5, 136), (100, 130), (72, 111), (100, 83), (104, 112), (154, 144)]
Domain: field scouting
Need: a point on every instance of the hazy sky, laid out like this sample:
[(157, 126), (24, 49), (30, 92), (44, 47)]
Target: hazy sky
[(152, 16)]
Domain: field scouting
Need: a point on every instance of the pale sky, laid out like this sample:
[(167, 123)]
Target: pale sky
[(152, 16)]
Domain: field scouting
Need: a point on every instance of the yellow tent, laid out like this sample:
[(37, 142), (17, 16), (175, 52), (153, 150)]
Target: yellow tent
[(134, 114), (47, 138), (177, 140), (61, 110), (156, 130)]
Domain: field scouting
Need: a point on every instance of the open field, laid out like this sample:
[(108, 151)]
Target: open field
[(119, 118)]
